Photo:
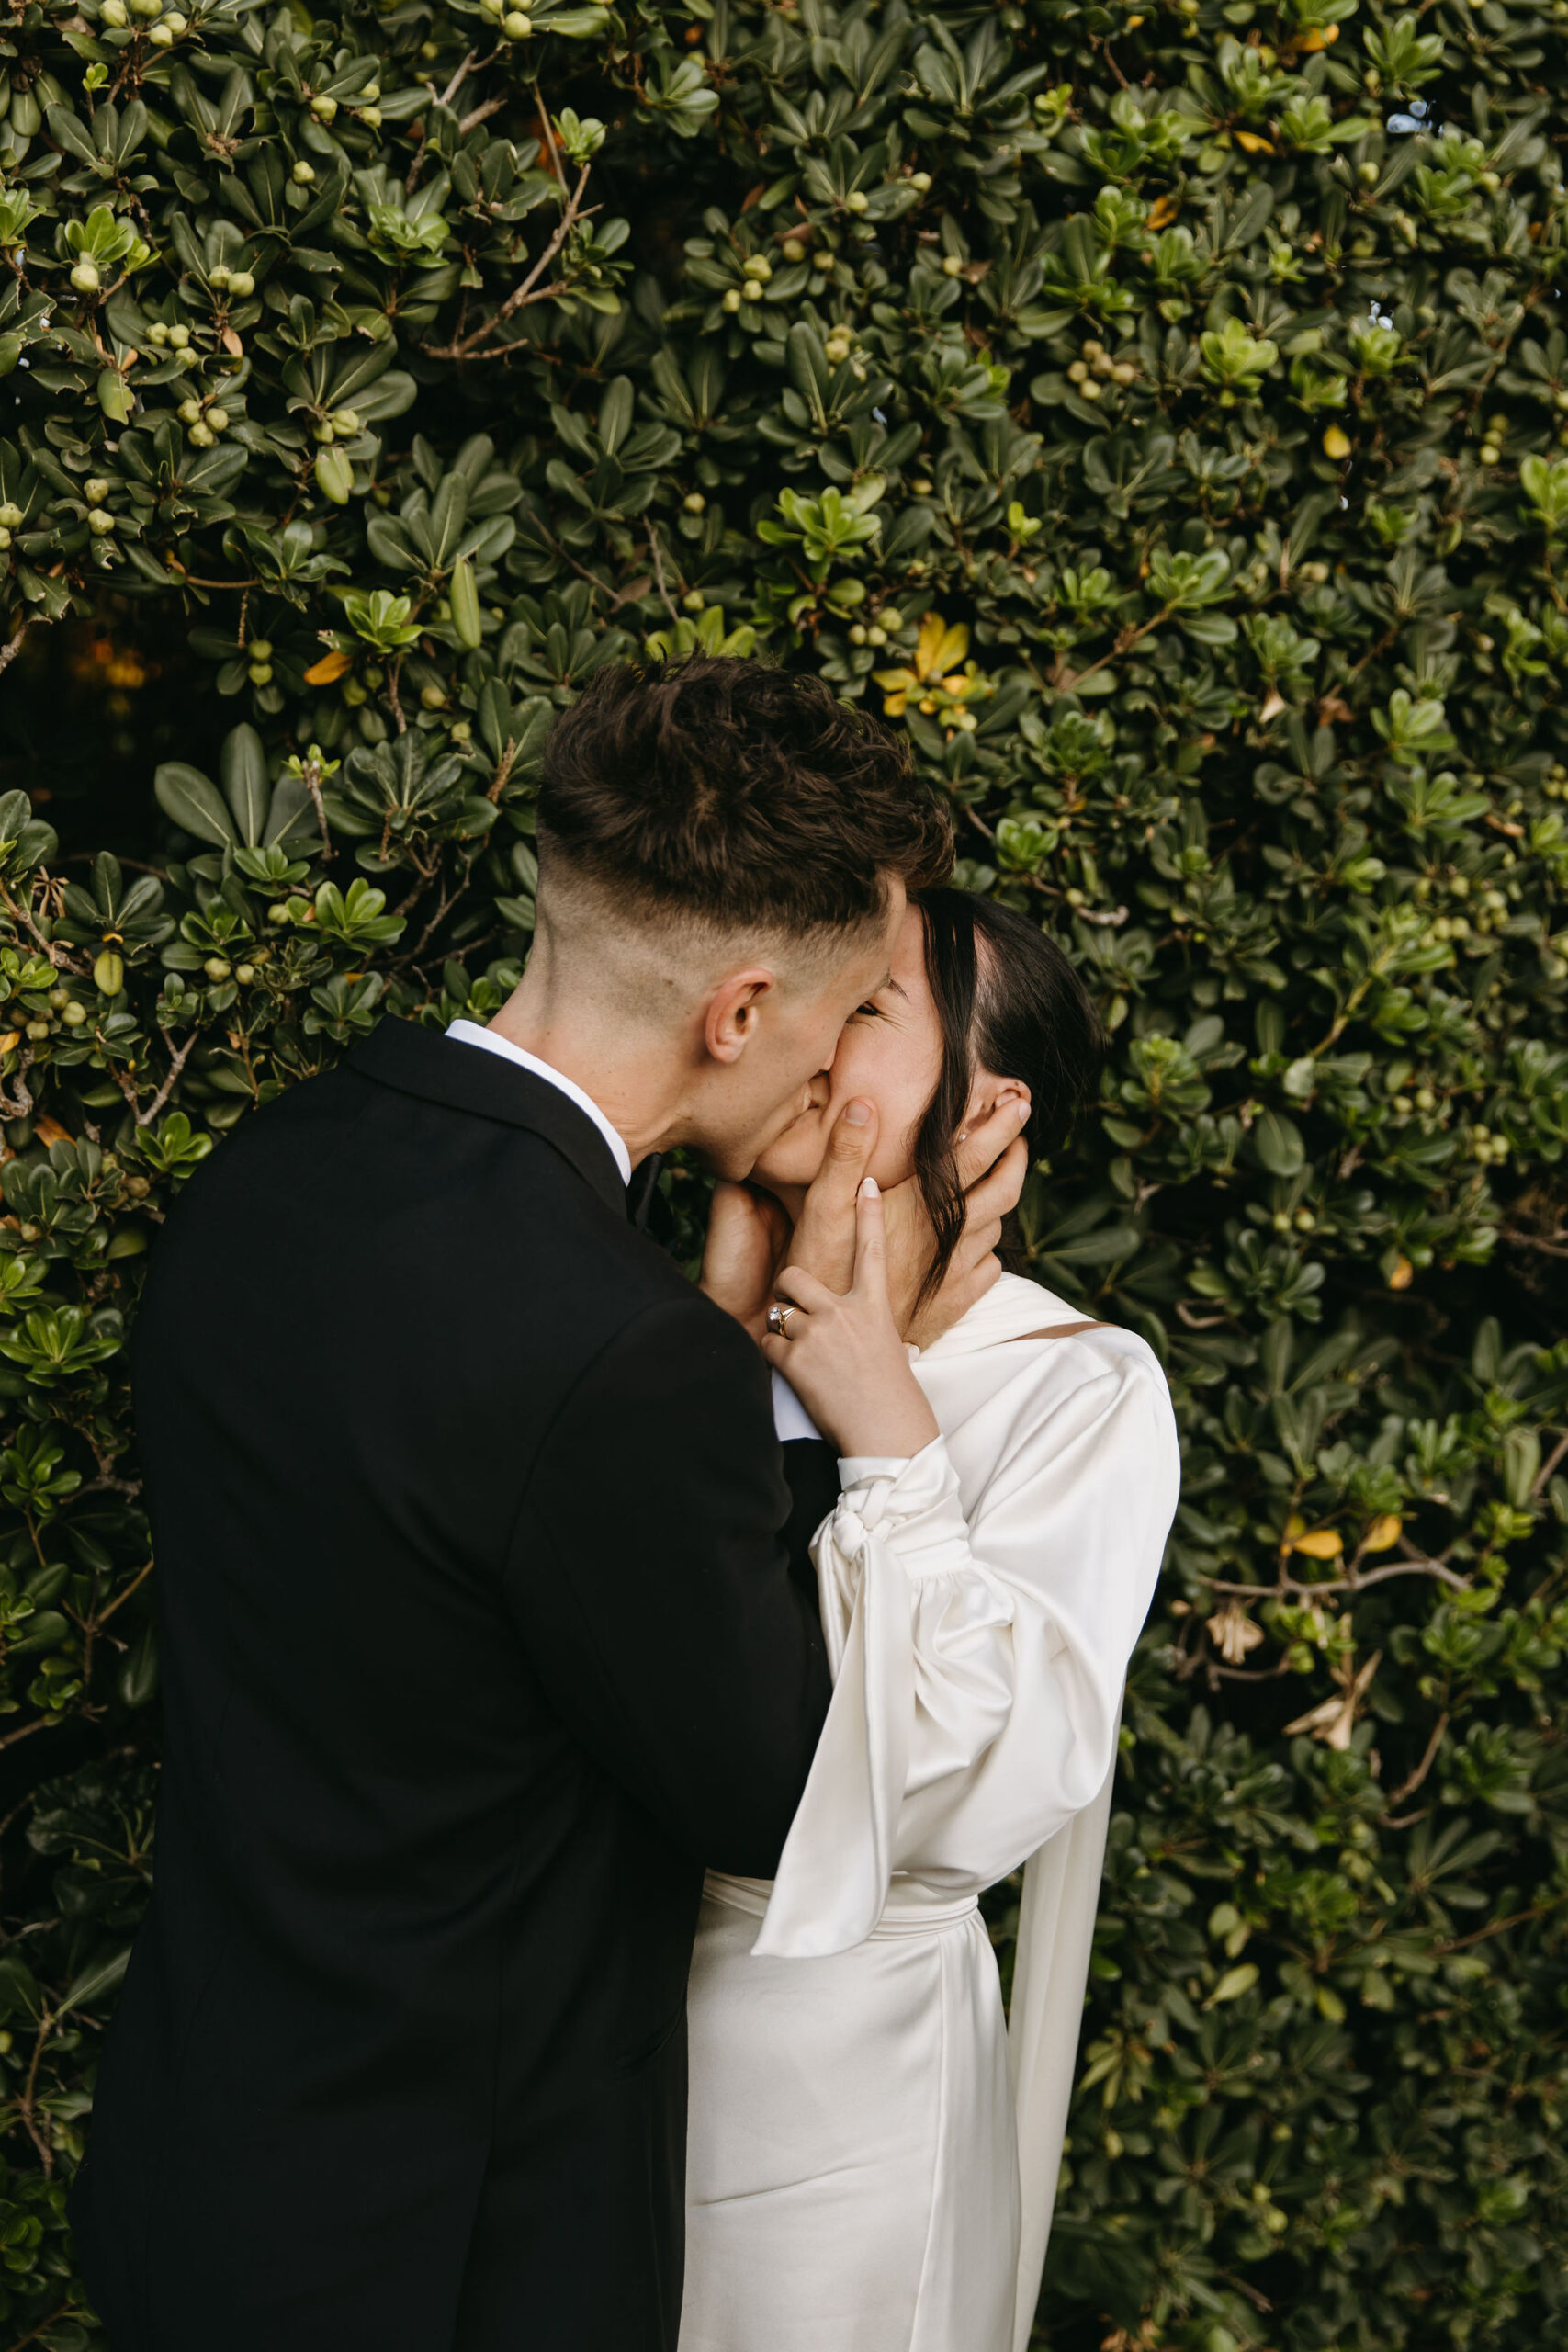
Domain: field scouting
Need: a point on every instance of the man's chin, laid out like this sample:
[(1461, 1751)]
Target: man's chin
[(733, 1162), (762, 1159)]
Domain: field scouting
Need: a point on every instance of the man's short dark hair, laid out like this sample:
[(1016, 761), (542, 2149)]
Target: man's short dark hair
[(738, 794)]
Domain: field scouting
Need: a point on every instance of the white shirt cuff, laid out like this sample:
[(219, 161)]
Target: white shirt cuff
[(791, 1419)]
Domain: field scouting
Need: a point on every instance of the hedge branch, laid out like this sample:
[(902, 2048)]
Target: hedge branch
[(178, 1058), (529, 292), (13, 645), (41, 2327), (664, 596), (1412, 1781), (1359, 1583)]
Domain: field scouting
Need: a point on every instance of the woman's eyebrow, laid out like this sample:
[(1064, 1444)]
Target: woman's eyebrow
[(891, 983)]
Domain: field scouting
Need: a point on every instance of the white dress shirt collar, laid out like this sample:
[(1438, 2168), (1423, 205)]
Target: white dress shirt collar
[(469, 1032)]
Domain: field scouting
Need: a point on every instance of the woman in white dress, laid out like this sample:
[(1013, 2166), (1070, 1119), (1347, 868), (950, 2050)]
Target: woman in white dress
[(861, 2176)]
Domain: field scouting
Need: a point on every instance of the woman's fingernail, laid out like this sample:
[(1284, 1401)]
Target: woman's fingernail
[(870, 1189), (857, 1114)]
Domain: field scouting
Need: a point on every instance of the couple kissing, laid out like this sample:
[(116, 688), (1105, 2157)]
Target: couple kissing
[(594, 1701)]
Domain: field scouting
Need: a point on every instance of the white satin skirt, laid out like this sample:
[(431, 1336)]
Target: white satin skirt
[(852, 2174)]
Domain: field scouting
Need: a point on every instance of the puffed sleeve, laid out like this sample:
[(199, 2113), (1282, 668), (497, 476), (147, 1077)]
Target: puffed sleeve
[(978, 1661)]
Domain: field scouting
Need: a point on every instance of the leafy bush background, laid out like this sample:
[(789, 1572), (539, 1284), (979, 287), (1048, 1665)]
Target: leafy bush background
[(1159, 412)]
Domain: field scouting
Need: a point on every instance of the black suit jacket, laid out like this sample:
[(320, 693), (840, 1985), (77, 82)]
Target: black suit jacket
[(478, 1641)]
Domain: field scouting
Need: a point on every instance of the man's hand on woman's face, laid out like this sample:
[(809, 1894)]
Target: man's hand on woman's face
[(746, 1237), (992, 1165), (974, 1264)]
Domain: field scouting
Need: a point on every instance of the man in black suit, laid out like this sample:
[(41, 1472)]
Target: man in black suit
[(479, 1636)]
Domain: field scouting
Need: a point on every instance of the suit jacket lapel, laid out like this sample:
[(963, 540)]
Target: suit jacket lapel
[(437, 1069)]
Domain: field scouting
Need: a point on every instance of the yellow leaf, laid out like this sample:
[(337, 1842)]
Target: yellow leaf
[(1336, 443), (330, 667), (1296, 1525), (1403, 1274), (49, 1131), (893, 707), (1162, 214), (939, 648), (1383, 1532), (10, 1041), (1323, 1544), (1253, 144), (933, 629), (1320, 36)]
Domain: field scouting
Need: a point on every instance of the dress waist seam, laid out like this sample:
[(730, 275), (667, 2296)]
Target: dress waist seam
[(904, 1915)]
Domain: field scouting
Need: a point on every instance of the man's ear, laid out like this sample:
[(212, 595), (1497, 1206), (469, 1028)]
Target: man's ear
[(733, 1011)]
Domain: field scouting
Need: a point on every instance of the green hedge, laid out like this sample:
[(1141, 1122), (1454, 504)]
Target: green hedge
[(1158, 412)]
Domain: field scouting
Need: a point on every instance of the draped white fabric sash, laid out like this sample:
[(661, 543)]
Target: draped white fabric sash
[(1055, 1934)]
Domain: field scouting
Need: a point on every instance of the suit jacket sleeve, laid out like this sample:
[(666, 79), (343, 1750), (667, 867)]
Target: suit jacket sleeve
[(811, 1472), (649, 1577)]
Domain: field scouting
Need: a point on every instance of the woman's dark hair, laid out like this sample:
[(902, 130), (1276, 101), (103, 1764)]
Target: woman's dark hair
[(1009, 1000)]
